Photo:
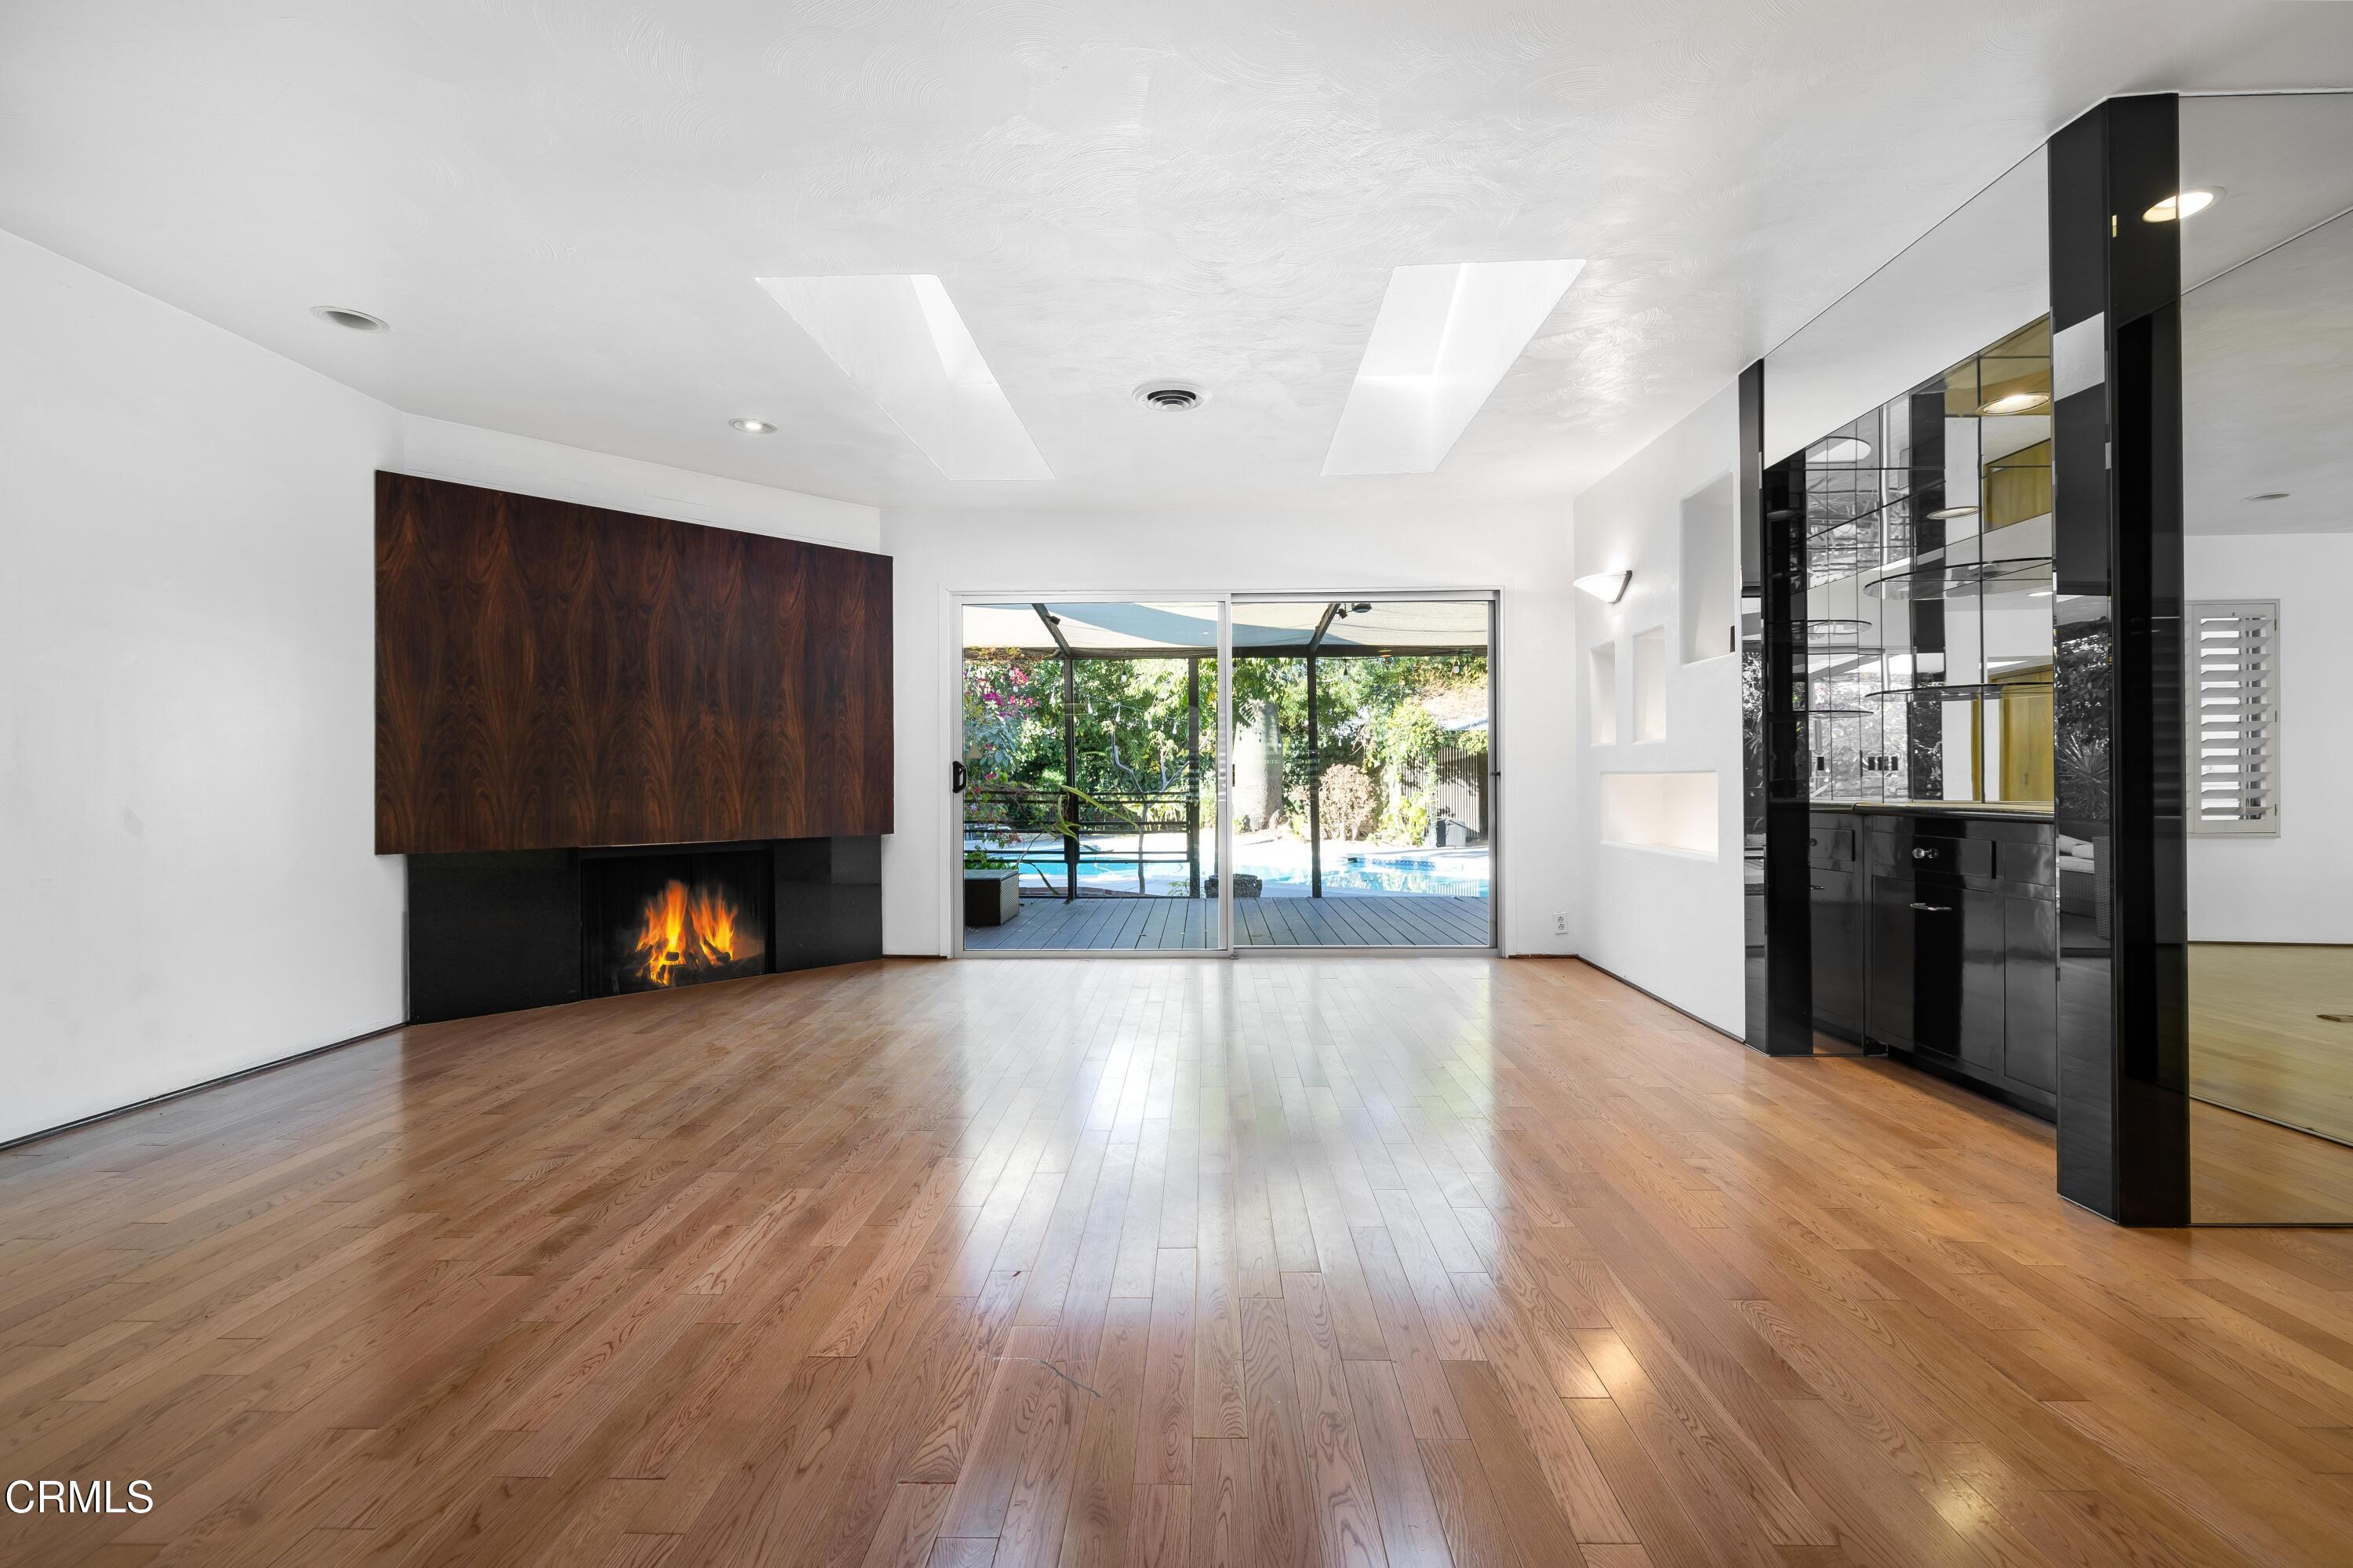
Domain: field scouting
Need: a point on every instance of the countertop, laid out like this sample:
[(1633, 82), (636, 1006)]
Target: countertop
[(2007, 810)]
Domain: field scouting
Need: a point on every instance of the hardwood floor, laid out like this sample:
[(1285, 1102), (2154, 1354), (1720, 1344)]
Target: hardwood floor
[(2268, 1035), (2264, 1040), (1441, 1260)]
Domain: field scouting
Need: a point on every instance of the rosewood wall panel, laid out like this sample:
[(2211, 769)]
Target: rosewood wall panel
[(554, 676)]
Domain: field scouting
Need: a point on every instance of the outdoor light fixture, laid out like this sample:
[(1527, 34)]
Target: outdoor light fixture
[(2188, 204), (1607, 586)]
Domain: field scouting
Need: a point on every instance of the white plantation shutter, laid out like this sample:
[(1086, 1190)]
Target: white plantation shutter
[(2234, 715)]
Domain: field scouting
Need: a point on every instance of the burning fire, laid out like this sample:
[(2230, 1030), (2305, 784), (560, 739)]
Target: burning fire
[(685, 934)]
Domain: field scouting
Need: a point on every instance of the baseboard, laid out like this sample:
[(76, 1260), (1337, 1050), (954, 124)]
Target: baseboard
[(1646, 991), (170, 1094)]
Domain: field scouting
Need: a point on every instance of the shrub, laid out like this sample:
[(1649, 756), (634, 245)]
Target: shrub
[(1350, 803), (1406, 821)]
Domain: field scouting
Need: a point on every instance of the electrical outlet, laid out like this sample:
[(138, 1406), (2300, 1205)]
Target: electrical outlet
[(1560, 922)]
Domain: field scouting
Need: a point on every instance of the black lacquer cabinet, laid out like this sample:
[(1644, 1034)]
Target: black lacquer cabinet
[(1835, 899), (1961, 953)]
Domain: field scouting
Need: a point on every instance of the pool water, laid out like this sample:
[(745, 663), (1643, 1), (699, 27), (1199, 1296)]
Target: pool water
[(1284, 872), (1464, 878)]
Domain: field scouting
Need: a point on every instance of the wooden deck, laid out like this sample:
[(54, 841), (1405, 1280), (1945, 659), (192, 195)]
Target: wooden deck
[(1176, 925)]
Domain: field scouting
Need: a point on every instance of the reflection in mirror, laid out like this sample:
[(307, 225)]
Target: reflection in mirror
[(1927, 608), (2267, 403)]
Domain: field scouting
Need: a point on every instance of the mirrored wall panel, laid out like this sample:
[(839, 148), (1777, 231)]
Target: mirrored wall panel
[(1928, 603), (2267, 407), (1915, 543)]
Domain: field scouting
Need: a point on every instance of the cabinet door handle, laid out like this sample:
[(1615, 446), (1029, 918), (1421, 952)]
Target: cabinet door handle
[(1817, 887), (1923, 854), (1932, 908)]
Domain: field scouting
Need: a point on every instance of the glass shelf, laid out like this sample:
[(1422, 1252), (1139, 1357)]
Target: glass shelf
[(1964, 580), (1992, 691), (1819, 522)]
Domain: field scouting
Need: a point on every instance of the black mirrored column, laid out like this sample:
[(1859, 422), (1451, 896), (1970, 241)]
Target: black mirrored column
[(2124, 1115), (1755, 937), (1777, 758)]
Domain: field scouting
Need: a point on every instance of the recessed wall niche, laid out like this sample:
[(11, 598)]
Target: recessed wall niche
[(1601, 692), (1651, 684), (1674, 812), (1708, 572)]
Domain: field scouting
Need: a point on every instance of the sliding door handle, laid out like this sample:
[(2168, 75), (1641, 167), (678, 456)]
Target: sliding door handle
[(955, 777)]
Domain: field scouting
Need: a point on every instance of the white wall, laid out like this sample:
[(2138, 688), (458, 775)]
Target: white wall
[(436, 448), (1522, 551), (2297, 887), (1667, 919), (188, 885)]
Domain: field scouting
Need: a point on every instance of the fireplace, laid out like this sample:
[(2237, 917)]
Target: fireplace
[(655, 921), (494, 932)]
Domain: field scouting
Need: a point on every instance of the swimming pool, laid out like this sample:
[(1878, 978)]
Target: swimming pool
[(1284, 871)]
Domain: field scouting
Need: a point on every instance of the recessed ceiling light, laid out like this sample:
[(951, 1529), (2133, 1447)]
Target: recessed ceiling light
[(1445, 334), (1607, 586), (1945, 513), (753, 427), (2270, 495), (345, 316), (900, 338), (2016, 403), (2188, 204), (1174, 396), (1840, 449)]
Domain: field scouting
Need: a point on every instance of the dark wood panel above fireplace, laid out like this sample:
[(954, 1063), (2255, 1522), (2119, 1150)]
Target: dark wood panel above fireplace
[(557, 676)]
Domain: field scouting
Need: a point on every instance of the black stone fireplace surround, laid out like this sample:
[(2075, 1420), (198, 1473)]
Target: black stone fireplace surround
[(497, 931)]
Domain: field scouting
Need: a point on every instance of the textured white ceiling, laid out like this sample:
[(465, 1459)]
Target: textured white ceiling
[(562, 207)]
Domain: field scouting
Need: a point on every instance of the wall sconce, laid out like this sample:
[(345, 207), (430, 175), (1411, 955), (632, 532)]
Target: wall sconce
[(1607, 586)]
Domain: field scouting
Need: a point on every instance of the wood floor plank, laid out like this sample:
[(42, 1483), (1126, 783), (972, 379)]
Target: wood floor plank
[(1098, 1523), (1339, 1483), (1412, 1531), (1163, 1449)]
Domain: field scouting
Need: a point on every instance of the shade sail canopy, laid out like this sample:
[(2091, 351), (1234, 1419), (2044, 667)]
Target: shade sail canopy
[(1132, 630)]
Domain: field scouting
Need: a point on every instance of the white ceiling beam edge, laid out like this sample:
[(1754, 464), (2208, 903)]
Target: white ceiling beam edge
[(1446, 333), (900, 338)]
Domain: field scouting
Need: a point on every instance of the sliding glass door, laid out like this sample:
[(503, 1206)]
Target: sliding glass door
[(1248, 773), (1363, 806), (1091, 790)]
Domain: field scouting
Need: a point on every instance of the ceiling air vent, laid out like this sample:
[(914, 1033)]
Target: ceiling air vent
[(1174, 396)]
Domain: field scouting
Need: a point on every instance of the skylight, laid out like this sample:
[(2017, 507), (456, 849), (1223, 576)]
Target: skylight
[(1445, 335), (899, 337)]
